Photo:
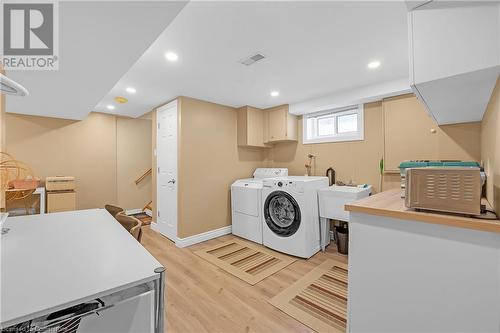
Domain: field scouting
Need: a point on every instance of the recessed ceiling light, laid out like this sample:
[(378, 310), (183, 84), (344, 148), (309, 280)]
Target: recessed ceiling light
[(275, 93), (171, 56), (131, 90), (374, 64), (110, 107)]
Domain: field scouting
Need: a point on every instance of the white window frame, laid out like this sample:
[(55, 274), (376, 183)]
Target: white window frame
[(337, 137)]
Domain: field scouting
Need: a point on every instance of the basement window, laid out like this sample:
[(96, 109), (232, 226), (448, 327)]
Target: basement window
[(335, 125)]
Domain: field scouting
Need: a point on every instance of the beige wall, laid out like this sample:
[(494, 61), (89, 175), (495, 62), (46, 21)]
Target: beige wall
[(411, 133), (209, 162), (359, 160), (356, 160), (133, 158), (86, 149), (490, 147)]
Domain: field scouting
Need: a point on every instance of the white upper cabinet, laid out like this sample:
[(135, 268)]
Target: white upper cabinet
[(454, 59)]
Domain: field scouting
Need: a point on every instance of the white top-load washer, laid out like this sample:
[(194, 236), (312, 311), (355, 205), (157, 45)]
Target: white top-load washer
[(246, 201), (291, 217)]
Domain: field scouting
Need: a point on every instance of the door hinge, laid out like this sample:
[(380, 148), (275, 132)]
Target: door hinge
[(158, 169), (158, 213), (158, 125)]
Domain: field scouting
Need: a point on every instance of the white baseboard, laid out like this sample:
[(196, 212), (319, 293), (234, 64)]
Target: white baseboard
[(154, 226), (195, 239)]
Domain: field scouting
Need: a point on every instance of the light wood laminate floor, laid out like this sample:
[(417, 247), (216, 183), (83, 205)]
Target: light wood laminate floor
[(200, 297)]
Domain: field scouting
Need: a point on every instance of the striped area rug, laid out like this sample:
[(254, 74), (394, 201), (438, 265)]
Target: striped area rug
[(318, 299), (249, 262)]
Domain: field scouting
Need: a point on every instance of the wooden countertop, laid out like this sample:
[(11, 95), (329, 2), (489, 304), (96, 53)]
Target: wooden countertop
[(390, 204)]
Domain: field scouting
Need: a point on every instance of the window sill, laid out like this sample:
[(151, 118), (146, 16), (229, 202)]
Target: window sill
[(334, 139)]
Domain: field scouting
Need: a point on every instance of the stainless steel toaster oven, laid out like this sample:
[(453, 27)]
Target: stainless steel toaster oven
[(444, 189)]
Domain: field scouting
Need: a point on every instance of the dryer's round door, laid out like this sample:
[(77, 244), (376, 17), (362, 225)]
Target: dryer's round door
[(282, 213)]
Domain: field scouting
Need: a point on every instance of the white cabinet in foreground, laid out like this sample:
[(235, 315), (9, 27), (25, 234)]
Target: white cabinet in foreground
[(411, 276)]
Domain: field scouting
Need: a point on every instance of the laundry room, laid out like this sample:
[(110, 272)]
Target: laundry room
[(200, 172)]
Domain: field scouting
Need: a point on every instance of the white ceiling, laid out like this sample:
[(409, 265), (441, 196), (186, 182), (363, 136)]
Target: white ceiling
[(98, 41), (313, 49)]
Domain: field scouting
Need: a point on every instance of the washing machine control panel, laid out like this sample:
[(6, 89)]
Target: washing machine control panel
[(284, 184), (270, 172)]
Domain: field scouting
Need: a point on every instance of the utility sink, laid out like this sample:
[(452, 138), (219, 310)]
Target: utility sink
[(333, 199)]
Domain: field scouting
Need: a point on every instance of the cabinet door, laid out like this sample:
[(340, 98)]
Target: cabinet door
[(409, 132), (251, 127), (242, 122), (255, 127), (277, 124)]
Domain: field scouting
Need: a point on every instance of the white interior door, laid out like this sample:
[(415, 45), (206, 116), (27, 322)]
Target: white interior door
[(166, 156)]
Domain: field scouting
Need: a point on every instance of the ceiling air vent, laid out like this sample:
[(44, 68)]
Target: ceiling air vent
[(252, 59)]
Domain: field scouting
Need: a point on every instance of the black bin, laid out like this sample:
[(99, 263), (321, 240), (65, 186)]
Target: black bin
[(342, 234)]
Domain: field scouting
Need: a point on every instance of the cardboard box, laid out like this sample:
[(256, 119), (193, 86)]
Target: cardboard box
[(60, 183), (61, 201)]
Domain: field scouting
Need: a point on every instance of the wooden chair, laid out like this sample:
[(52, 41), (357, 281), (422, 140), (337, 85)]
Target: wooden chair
[(113, 210), (130, 223)]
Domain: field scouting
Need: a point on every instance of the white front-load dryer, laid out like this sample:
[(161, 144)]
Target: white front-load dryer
[(290, 214), (246, 201)]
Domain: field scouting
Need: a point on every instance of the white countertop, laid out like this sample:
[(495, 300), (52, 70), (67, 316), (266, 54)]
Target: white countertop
[(52, 261), (3, 217)]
